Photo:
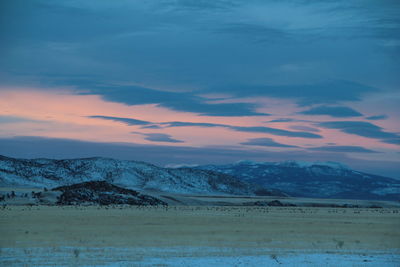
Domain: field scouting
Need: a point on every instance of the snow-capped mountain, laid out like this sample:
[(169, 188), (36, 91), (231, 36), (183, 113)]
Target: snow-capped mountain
[(128, 174), (313, 179)]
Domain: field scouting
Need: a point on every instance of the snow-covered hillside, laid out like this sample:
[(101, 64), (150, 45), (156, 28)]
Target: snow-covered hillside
[(313, 179), (128, 174)]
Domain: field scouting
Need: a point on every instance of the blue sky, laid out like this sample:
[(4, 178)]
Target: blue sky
[(283, 79)]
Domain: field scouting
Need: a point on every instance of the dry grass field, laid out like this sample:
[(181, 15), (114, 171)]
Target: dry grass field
[(71, 235)]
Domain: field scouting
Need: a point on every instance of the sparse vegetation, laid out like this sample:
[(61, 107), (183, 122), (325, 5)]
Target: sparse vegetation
[(76, 252), (274, 257), (339, 243)]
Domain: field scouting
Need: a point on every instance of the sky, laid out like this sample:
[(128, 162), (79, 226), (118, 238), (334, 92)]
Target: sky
[(195, 81)]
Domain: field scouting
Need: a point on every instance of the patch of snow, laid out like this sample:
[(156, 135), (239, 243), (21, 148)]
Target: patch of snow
[(193, 256), (386, 191)]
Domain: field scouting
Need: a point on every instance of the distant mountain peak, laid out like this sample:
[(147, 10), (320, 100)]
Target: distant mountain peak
[(313, 179), (307, 164), (295, 163), (250, 162)]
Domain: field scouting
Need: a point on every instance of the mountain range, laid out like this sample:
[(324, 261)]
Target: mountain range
[(127, 174), (290, 178), (313, 179)]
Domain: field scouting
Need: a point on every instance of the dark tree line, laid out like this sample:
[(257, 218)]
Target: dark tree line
[(8, 195), (12, 194)]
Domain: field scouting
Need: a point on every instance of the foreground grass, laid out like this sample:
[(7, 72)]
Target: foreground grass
[(237, 227)]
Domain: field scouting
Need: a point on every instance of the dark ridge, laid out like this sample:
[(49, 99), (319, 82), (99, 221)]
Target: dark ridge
[(102, 193), (273, 203)]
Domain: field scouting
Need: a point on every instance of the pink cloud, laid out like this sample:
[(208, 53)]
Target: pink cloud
[(62, 114)]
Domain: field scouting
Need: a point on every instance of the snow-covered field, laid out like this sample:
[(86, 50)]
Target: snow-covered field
[(192, 256)]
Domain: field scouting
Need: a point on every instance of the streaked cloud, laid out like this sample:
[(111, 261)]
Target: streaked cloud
[(179, 101), (250, 129), (275, 131), (393, 141), (151, 127), (377, 117), (304, 128), (282, 120), (331, 92), (333, 111), (160, 137), (341, 149), (193, 124), (127, 121), (14, 119), (268, 142), (361, 128)]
